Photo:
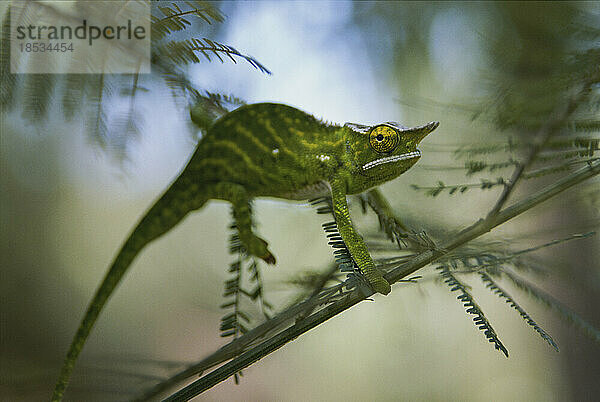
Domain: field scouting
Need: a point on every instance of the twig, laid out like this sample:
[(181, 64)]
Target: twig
[(541, 138), (485, 225), (499, 261), (266, 347), (477, 229), (235, 347)]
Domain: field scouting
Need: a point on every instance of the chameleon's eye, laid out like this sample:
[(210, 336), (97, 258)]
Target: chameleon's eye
[(383, 139)]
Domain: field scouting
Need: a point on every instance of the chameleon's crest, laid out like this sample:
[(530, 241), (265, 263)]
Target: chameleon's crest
[(358, 128)]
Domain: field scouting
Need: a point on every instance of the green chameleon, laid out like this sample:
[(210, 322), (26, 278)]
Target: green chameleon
[(269, 150)]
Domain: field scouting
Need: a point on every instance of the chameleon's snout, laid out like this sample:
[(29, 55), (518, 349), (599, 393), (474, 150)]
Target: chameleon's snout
[(420, 132)]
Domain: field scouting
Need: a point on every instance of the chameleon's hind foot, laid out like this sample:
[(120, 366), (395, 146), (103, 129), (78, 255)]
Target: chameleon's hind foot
[(260, 248), (269, 259), (392, 227)]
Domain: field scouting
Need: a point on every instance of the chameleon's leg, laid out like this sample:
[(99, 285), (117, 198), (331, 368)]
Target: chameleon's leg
[(388, 221), (354, 241), (242, 213)]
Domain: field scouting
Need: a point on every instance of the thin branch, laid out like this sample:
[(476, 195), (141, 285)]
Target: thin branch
[(266, 347), (541, 138), (501, 260), (555, 168), (434, 191), (235, 347), (300, 327)]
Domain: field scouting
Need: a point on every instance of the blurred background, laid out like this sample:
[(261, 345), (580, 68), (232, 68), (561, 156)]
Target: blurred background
[(491, 73)]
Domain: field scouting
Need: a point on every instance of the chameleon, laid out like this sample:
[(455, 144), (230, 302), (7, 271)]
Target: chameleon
[(268, 150)]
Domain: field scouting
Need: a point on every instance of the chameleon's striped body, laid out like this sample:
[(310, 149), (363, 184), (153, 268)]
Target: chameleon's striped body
[(268, 150)]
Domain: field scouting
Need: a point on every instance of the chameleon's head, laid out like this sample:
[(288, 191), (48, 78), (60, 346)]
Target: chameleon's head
[(384, 151)]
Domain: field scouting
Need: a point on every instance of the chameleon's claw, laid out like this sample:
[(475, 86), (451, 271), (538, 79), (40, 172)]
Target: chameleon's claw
[(391, 226), (397, 223), (259, 248), (269, 259)]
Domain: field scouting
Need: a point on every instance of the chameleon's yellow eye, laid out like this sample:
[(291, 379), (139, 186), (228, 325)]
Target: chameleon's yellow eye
[(383, 139)]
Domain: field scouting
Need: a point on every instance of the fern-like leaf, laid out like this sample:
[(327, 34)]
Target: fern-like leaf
[(97, 90), (553, 169), (485, 149), (473, 166), (207, 107), (258, 293), (231, 322), (541, 296), (237, 322), (471, 307), (174, 18), (73, 93), (434, 191), (493, 286), (37, 96), (186, 51)]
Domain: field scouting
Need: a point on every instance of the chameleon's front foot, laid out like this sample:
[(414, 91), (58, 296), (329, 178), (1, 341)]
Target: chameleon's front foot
[(390, 224), (392, 227), (378, 282)]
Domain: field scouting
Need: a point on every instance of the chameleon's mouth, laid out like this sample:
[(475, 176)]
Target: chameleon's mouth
[(390, 159)]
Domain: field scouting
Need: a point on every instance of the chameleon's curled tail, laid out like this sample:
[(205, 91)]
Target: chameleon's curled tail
[(169, 210)]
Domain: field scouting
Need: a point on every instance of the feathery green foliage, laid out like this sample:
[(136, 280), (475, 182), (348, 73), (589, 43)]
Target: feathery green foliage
[(434, 191), (90, 97), (208, 107), (336, 305), (493, 286), (494, 258), (37, 96), (557, 55), (237, 321), (174, 18), (8, 81), (186, 51), (471, 307)]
